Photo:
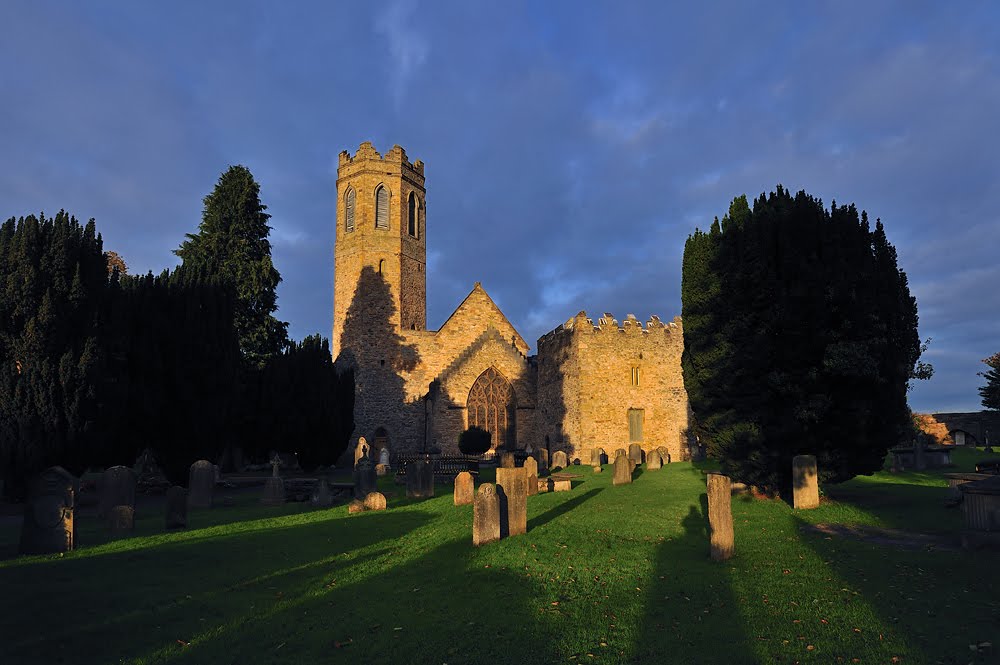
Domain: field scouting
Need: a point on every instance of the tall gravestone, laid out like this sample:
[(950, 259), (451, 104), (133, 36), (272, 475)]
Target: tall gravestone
[(120, 520), (560, 459), (635, 453), (595, 456), (720, 517), (464, 489), (619, 452), (365, 478), (48, 525), (201, 484), (805, 483), (542, 456), (117, 489), (486, 515), (177, 508), (664, 454), (623, 471), (274, 487), (360, 450), (653, 460), (507, 460), (321, 496), (512, 488), (531, 469), (420, 479)]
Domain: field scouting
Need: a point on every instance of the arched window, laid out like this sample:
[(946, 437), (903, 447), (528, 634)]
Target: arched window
[(411, 216), (492, 407), (349, 209), (381, 208), (381, 266)]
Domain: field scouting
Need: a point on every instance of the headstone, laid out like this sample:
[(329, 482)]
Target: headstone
[(360, 450), (619, 452), (653, 460), (177, 508), (542, 456), (720, 516), (201, 484), (635, 453), (375, 501), (805, 484), (365, 478), (595, 457), (48, 525), (321, 496), (486, 515), (465, 488), (117, 489), (598, 469), (120, 520), (274, 487), (381, 470), (560, 459), (664, 455), (531, 468), (507, 460), (419, 479), (623, 471), (512, 488), (383, 457), (355, 506), (919, 462)]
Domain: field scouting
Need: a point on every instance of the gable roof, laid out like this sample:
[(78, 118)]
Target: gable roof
[(479, 298)]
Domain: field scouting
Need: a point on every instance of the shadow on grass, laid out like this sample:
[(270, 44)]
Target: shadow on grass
[(561, 509), (918, 508)]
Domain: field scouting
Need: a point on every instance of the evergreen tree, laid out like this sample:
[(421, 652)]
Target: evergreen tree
[(232, 243), (800, 337), (991, 391)]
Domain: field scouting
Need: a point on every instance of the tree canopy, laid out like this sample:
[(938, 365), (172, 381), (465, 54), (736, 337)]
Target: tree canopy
[(991, 391), (800, 337)]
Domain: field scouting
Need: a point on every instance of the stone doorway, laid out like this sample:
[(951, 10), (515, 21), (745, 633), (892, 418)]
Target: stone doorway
[(492, 407)]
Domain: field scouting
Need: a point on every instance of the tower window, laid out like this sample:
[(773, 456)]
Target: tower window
[(381, 266), (635, 376), (411, 215), (381, 208), (349, 210)]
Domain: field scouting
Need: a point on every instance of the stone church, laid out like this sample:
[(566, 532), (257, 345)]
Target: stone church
[(589, 385)]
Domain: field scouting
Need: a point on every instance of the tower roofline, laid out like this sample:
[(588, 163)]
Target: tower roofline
[(367, 152)]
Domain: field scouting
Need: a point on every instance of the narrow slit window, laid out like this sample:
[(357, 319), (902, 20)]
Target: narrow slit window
[(412, 215), (381, 208), (635, 376), (349, 210)]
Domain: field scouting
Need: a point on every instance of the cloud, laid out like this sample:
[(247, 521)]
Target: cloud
[(407, 46)]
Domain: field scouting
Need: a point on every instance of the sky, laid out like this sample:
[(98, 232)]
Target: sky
[(570, 147)]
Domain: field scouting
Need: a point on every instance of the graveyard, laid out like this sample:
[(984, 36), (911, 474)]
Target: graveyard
[(606, 571)]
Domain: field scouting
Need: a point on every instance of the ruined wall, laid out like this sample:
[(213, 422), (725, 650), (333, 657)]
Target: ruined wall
[(587, 385)]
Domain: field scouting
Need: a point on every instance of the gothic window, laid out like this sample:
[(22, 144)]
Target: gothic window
[(349, 209), (635, 418), (412, 215), (491, 406), (381, 208)]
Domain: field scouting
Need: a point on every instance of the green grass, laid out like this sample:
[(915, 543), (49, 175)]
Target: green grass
[(604, 574)]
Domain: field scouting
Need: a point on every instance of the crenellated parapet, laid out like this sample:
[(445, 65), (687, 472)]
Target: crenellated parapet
[(367, 153), (607, 324)]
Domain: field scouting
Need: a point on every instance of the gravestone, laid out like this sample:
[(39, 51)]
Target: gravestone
[(465, 488), (486, 515), (653, 460), (542, 456), (664, 455), (635, 453), (596, 455), (919, 444), (117, 489), (120, 520), (321, 496), (512, 488), (355, 506), (201, 484), (619, 452), (531, 468), (360, 450), (383, 457), (720, 516), (375, 501), (419, 479), (48, 525), (805, 483), (177, 508), (274, 487), (507, 461), (598, 469), (623, 471), (560, 459), (365, 478)]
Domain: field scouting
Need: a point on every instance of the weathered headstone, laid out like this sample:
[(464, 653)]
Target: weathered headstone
[(595, 457), (365, 478), (383, 456), (375, 501), (420, 479), (512, 488), (486, 515), (919, 460), (465, 488), (117, 489), (720, 516), (48, 525), (542, 455), (619, 452), (623, 471), (653, 460), (360, 450), (560, 459), (201, 484), (598, 469), (321, 496), (664, 454), (805, 484), (355, 506), (177, 508), (120, 520), (274, 487), (531, 468), (507, 460), (635, 453)]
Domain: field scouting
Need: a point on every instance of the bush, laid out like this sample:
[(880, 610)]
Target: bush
[(474, 441)]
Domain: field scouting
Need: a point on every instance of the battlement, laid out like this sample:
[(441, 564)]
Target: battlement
[(367, 152), (608, 324)]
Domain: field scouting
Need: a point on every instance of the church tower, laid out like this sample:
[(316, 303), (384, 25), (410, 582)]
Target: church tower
[(380, 226)]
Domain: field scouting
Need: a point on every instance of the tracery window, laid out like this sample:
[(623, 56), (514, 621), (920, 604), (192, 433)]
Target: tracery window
[(492, 407)]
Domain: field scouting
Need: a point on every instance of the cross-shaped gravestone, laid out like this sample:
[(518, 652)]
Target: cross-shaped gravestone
[(275, 464)]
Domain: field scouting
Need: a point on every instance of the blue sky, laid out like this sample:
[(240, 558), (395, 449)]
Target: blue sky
[(581, 142)]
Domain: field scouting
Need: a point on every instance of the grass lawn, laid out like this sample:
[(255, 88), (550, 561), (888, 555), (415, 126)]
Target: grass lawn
[(605, 574)]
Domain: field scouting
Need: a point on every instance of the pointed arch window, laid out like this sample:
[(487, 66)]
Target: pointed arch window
[(349, 210), (491, 406), (413, 208), (381, 208)]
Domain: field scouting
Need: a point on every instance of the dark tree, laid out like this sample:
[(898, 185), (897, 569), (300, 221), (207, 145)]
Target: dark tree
[(991, 391), (231, 243), (474, 441), (800, 337)]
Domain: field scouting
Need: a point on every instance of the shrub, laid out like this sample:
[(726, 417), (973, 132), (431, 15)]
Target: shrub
[(474, 441)]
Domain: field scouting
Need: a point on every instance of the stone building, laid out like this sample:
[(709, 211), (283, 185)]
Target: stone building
[(589, 385)]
